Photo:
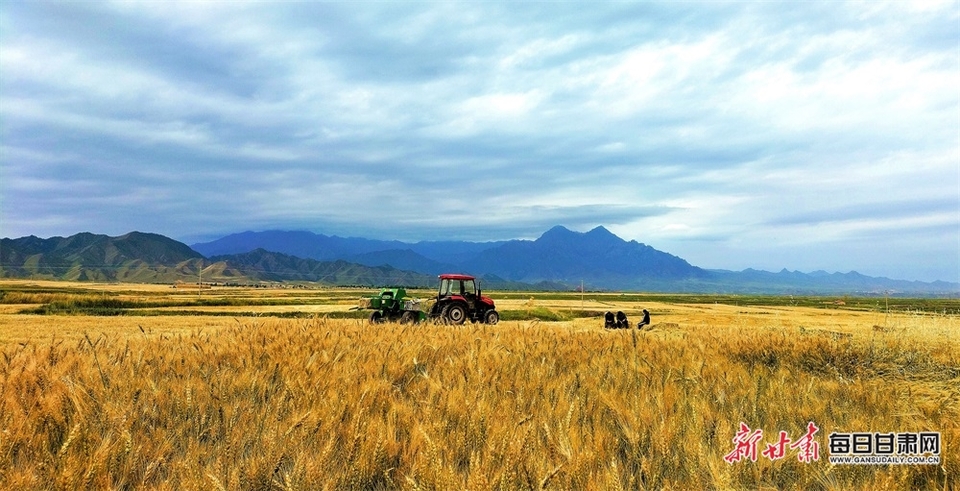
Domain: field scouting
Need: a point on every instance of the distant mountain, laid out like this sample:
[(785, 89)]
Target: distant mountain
[(821, 282), (560, 259), (135, 256), (262, 265), (451, 251), (152, 258), (297, 243), (403, 259), (309, 245), (598, 257)]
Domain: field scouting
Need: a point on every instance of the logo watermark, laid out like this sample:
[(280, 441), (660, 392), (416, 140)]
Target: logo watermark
[(856, 448), (747, 440), (921, 448)]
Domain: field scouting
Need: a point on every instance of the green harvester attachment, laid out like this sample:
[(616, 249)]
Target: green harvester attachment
[(392, 304)]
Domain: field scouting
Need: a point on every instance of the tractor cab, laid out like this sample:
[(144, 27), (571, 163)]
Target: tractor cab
[(462, 287)]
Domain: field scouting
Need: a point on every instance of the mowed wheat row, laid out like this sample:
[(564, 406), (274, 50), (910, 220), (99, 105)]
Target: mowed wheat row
[(335, 404)]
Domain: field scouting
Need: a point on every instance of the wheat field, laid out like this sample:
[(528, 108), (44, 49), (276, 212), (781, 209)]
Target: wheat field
[(246, 402)]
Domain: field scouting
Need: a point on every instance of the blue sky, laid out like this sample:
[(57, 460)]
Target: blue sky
[(798, 135)]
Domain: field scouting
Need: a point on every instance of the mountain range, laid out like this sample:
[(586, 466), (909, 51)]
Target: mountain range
[(560, 259)]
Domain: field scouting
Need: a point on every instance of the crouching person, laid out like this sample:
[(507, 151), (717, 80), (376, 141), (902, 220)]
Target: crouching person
[(608, 321), (622, 322)]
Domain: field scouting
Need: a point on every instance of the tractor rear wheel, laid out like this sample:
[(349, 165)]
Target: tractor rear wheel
[(454, 313)]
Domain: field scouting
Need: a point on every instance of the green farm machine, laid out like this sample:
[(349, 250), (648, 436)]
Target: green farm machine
[(392, 304), (459, 299)]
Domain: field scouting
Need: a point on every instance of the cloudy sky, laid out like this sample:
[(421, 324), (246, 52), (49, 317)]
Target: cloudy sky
[(798, 135)]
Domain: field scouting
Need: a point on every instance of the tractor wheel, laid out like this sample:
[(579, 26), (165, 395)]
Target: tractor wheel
[(491, 317), (376, 317), (455, 314), (409, 317)]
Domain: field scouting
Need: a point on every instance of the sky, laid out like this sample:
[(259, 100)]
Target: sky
[(768, 135)]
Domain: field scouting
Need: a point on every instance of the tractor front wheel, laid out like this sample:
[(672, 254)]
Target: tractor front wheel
[(455, 313), (491, 317)]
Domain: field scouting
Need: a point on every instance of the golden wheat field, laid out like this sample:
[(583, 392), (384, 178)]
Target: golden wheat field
[(232, 394)]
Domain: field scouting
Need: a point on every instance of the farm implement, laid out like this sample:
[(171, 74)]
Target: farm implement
[(392, 304), (459, 299)]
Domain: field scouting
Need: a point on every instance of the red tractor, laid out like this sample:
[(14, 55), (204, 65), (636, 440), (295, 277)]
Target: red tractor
[(460, 299)]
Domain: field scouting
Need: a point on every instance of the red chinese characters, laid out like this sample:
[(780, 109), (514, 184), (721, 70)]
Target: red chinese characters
[(746, 442)]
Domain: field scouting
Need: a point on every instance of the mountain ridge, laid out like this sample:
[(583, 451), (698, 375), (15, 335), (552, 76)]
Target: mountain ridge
[(602, 260), (558, 259)]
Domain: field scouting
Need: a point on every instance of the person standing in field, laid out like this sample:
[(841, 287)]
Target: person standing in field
[(645, 321)]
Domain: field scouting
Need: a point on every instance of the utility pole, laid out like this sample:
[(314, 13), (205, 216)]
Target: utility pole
[(886, 302), (200, 280)]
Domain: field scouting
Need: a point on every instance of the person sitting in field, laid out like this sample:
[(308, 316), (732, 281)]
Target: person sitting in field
[(608, 321), (645, 321), (622, 322)]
